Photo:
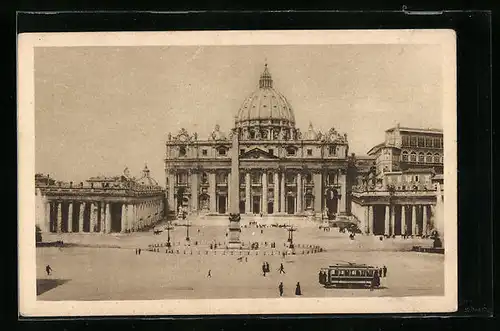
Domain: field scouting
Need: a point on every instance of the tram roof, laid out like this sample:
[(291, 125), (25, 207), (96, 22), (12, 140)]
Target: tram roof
[(350, 265)]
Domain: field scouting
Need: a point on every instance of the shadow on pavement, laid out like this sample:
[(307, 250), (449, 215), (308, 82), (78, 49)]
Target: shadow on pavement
[(44, 285)]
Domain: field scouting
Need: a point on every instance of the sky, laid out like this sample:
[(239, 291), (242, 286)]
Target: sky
[(101, 109)]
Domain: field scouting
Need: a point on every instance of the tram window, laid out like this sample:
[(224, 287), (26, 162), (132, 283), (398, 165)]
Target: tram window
[(334, 272), (341, 272)]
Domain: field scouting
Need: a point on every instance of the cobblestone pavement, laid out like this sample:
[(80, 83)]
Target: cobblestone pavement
[(91, 273)]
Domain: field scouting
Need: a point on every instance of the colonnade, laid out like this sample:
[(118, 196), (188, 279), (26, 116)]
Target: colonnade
[(100, 216), (396, 219)]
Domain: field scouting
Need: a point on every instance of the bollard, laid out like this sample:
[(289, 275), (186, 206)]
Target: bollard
[(206, 252), (177, 251)]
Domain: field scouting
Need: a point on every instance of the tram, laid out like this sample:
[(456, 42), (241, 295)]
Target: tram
[(349, 275)]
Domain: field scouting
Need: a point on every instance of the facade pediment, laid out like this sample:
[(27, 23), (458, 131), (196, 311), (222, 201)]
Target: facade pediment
[(257, 153)]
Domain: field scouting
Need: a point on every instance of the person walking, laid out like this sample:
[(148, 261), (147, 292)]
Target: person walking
[(267, 267), (209, 275), (298, 291), (281, 269), (264, 269), (280, 288), (48, 269), (375, 280), (139, 251), (384, 270)]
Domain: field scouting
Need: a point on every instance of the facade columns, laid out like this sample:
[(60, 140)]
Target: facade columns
[(387, 220), (370, 219), (264, 193), (299, 193), (194, 191), (229, 192), (247, 193), (282, 193), (211, 189), (81, 215), (425, 221), (59, 217), (70, 217), (124, 218), (318, 192), (403, 220), (414, 220), (130, 217), (366, 217), (343, 192), (276, 193)]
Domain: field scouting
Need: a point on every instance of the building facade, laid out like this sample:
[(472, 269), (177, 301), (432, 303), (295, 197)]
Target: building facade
[(283, 171), (101, 205), (399, 193)]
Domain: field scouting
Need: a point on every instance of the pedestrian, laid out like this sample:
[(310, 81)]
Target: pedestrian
[(246, 259), (380, 272), (281, 269), (384, 269), (280, 288), (297, 289), (267, 267), (48, 269), (264, 269), (209, 275), (261, 231), (139, 251)]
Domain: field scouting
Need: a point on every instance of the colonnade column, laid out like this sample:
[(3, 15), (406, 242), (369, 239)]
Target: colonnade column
[(93, 216), (211, 188), (194, 191), (318, 193), (425, 218), (276, 193), (70, 217), (59, 217), (370, 219), (414, 220), (393, 220), (46, 220), (403, 220), (343, 191), (387, 220), (282, 193), (299, 193), (130, 217), (124, 218), (171, 193), (107, 228), (264, 193), (247, 193)]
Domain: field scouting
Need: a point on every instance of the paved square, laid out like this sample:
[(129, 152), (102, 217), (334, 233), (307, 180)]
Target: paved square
[(100, 273)]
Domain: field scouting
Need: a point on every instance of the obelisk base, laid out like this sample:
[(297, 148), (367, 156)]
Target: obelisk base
[(234, 241)]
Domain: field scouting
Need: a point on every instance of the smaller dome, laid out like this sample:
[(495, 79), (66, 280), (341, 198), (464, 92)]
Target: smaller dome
[(310, 134), (146, 179)]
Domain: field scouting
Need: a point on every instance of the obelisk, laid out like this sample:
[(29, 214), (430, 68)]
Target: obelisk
[(234, 241)]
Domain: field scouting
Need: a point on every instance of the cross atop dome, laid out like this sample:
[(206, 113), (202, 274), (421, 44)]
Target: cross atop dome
[(266, 81), (145, 171)]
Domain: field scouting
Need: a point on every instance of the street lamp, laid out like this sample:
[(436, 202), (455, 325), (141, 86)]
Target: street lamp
[(291, 229), (169, 227), (187, 226)]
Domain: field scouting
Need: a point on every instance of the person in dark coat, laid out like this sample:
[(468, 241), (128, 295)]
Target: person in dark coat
[(264, 269), (375, 280), (297, 289), (280, 288), (48, 269), (384, 270), (281, 269)]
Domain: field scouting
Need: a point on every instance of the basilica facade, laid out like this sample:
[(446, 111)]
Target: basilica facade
[(282, 170)]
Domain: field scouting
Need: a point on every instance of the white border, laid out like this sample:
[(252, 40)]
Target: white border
[(29, 306)]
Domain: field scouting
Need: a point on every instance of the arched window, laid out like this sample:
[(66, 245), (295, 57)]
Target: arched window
[(428, 159), (405, 156), (413, 157), (421, 157), (270, 178), (182, 151), (437, 158), (222, 151), (256, 178)]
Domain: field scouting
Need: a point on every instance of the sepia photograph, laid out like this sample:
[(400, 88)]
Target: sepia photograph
[(249, 172)]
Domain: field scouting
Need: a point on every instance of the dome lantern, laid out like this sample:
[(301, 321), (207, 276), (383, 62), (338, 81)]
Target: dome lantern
[(266, 81)]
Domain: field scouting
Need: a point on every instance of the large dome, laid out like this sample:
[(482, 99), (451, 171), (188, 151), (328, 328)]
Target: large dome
[(265, 106)]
